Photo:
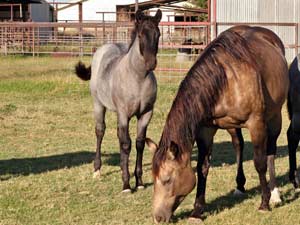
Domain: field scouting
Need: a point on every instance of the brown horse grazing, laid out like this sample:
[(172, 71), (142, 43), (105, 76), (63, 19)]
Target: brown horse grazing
[(240, 80), (293, 133)]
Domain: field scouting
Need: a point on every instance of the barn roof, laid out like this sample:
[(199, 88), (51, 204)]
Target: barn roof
[(20, 1), (163, 3)]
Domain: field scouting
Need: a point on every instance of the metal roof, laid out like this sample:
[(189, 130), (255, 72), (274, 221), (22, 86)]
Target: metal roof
[(20, 1), (163, 3)]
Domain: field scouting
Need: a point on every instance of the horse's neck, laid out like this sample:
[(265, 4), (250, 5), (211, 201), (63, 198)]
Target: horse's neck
[(180, 127), (135, 59)]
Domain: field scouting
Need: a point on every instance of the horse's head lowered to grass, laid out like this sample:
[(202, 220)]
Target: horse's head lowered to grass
[(173, 179)]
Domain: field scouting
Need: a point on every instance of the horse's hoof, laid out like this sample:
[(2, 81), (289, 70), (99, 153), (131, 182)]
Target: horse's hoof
[(195, 220), (297, 190), (263, 210), (141, 187), (126, 191), (238, 193), (96, 174), (275, 197)]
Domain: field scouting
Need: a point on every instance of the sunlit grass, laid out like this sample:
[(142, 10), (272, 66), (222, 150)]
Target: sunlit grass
[(47, 146)]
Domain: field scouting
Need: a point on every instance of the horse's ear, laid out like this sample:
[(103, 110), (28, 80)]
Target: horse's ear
[(158, 16), (151, 145), (173, 151), (139, 16)]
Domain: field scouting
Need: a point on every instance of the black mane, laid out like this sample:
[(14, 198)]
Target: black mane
[(199, 92)]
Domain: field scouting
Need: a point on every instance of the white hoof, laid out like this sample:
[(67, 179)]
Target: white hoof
[(141, 187), (194, 220), (238, 193), (297, 190), (275, 196), (96, 174), (126, 191)]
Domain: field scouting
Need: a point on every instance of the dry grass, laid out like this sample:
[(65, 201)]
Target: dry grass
[(47, 146)]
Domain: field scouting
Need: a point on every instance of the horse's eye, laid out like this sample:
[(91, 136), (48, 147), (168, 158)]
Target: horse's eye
[(165, 179)]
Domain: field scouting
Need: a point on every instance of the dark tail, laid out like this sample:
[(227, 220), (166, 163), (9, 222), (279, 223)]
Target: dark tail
[(82, 71), (289, 107)]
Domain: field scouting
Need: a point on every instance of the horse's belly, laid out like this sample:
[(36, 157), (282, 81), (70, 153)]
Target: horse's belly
[(103, 93), (228, 122)]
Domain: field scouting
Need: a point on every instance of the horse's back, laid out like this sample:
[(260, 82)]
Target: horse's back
[(261, 33), (103, 61), (258, 88), (268, 51), (105, 56)]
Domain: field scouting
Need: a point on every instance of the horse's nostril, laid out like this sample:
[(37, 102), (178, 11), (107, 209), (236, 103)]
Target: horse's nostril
[(159, 219)]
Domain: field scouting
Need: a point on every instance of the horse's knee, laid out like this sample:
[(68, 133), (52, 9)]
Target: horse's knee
[(140, 144), (125, 146), (238, 145), (205, 168), (100, 129), (260, 165)]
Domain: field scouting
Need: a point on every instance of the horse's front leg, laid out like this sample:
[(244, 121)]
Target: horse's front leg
[(142, 124), (293, 140), (238, 145), (204, 145), (125, 148)]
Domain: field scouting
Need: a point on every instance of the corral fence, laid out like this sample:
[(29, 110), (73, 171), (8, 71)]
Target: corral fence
[(180, 42)]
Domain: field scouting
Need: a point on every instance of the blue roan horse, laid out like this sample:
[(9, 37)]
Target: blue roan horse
[(122, 80)]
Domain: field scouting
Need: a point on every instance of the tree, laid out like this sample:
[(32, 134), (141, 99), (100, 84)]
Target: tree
[(199, 3)]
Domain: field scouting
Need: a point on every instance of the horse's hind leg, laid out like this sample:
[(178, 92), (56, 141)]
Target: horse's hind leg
[(258, 132), (142, 124), (99, 114), (274, 128), (238, 144), (293, 140), (204, 144), (125, 148)]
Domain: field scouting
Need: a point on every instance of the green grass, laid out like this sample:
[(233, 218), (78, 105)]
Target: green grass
[(47, 146)]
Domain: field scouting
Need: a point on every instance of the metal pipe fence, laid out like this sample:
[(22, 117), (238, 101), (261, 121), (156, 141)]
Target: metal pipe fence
[(180, 42)]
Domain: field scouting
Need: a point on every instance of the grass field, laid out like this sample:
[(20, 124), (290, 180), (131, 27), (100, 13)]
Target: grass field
[(47, 147)]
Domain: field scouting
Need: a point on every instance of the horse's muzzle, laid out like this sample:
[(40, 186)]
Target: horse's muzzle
[(150, 66)]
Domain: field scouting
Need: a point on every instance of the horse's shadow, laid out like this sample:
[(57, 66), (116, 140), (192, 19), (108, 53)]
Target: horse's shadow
[(229, 200), (10, 168), (224, 154), (111, 159), (24, 166)]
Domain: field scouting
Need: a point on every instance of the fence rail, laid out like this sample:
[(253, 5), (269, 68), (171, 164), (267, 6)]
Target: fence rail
[(180, 42)]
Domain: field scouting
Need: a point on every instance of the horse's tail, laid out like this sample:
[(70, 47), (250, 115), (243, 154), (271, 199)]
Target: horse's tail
[(289, 107), (82, 71)]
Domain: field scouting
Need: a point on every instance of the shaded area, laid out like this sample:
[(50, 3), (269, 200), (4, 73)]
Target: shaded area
[(26, 166), (223, 153), (111, 159), (228, 201)]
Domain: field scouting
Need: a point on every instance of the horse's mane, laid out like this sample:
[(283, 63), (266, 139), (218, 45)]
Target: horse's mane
[(133, 36), (199, 92)]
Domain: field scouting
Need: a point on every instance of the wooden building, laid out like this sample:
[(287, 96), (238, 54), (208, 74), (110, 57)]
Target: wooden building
[(26, 11)]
